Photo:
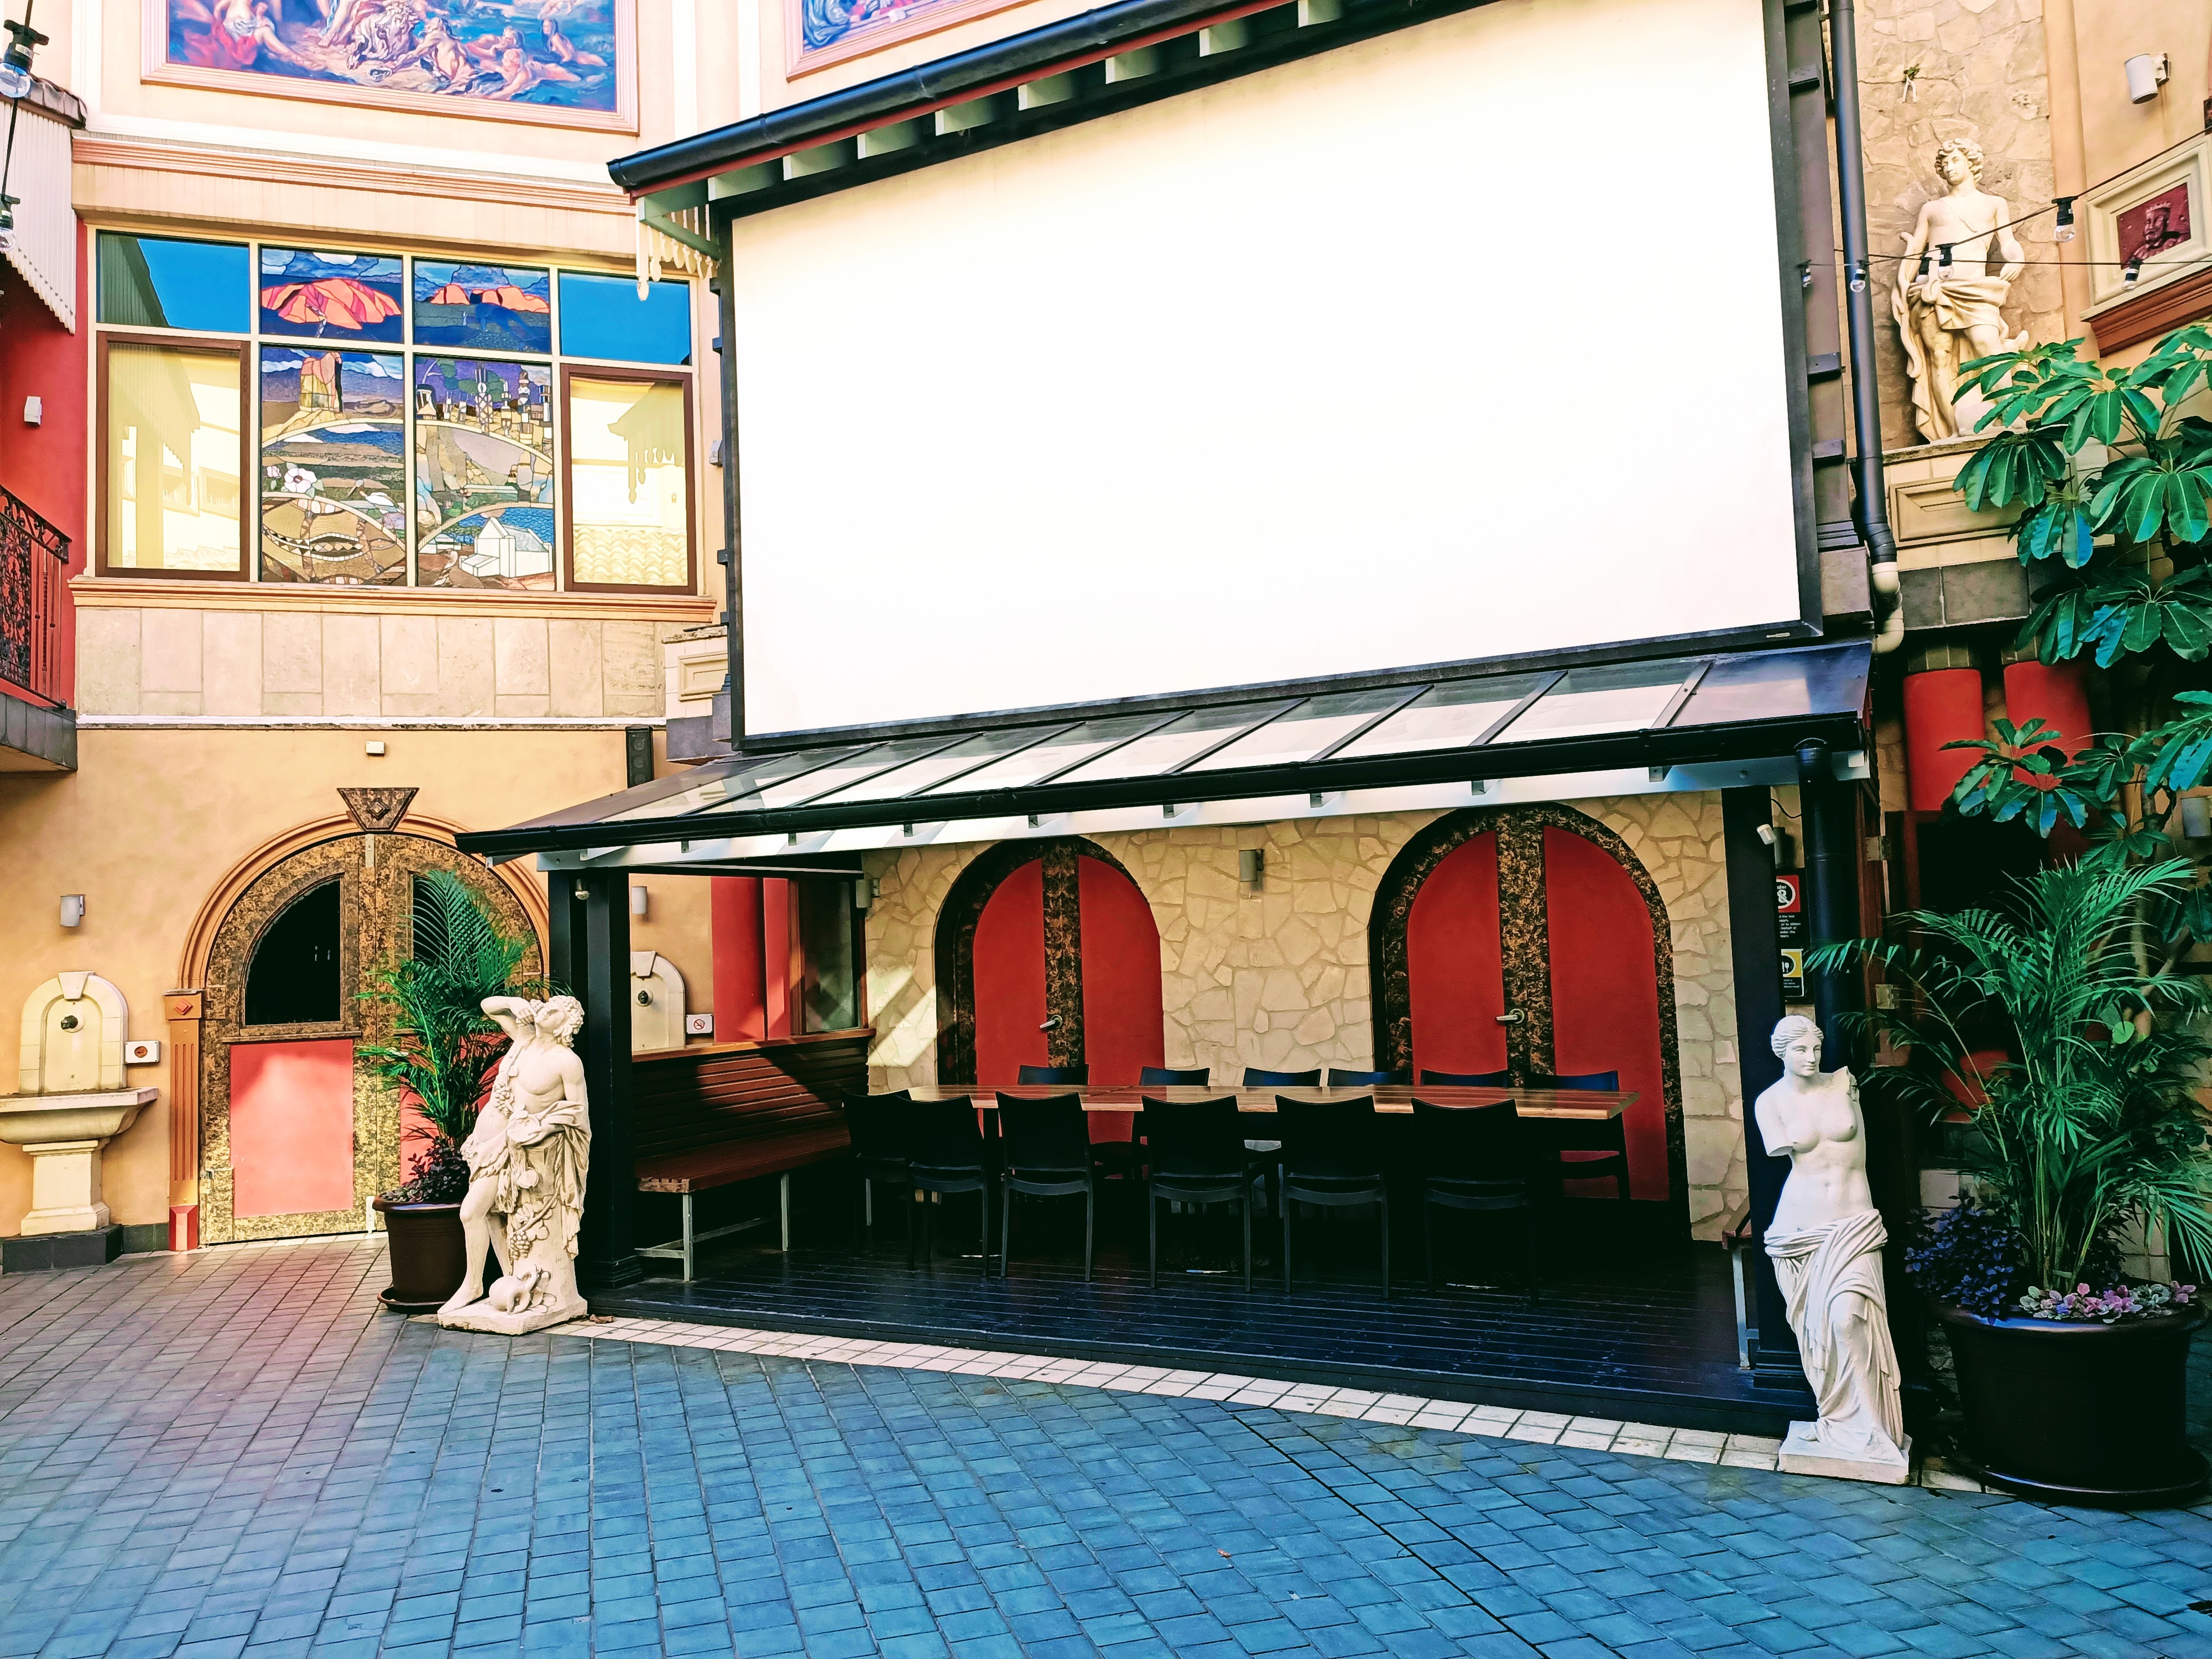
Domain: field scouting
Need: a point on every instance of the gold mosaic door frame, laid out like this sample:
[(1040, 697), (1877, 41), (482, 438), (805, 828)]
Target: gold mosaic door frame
[(376, 875)]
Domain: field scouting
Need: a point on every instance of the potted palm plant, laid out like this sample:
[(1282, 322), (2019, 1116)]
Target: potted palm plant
[(441, 1060), (2071, 1376)]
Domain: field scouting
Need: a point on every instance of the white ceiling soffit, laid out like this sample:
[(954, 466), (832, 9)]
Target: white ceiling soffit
[(45, 253)]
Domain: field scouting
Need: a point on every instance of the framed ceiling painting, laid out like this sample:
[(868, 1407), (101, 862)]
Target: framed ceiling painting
[(825, 31), (558, 62)]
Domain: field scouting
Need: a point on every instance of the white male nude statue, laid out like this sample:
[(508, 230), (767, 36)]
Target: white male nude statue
[(527, 1157), (1825, 1240), (1953, 314)]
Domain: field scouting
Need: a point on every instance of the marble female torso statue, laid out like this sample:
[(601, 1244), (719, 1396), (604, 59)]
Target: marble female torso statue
[(1826, 1243)]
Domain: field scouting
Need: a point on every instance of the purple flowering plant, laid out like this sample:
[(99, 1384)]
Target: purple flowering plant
[(2108, 1306)]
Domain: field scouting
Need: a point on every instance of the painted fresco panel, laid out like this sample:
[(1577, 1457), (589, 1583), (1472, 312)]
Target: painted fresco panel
[(333, 467), (565, 62), (484, 474)]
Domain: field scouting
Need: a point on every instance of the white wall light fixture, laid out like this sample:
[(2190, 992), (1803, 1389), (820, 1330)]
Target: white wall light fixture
[(638, 901), (2147, 72), (72, 910)]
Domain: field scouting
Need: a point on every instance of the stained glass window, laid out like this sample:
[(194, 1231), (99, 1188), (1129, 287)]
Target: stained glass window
[(629, 499), (152, 282), (482, 308), (483, 473), (352, 298), (603, 316), (333, 465), (170, 465)]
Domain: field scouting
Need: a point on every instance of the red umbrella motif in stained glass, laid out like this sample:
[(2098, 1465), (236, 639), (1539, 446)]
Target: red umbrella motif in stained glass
[(337, 301)]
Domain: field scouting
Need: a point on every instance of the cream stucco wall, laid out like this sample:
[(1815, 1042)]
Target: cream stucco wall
[(152, 821), (1280, 978)]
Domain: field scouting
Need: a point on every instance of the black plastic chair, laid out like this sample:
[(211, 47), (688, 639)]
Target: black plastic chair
[(1194, 1154), (1471, 1159), (1256, 1078), (945, 1153), (1366, 1079), (1047, 1145), (1171, 1076), (1605, 1138), (877, 1124), (1500, 1079), (1331, 1157), (1063, 1076)]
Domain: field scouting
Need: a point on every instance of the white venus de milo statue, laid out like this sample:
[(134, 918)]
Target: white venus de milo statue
[(1825, 1240), (527, 1157)]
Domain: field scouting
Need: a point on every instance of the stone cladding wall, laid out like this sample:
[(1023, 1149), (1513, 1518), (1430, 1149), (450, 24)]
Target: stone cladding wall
[(1279, 978)]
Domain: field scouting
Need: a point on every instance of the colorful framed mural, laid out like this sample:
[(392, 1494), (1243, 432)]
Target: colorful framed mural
[(825, 31), (484, 474), (560, 62), (333, 467), (355, 297)]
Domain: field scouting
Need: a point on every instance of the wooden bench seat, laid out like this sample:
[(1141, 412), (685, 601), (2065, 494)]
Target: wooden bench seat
[(713, 1115)]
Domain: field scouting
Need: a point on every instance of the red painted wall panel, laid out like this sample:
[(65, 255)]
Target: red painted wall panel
[(1605, 992), (777, 975), (291, 1127), (1123, 1026), (2058, 696), (46, 465), (1940, 706), (740, 975), (1455, 974), (1010, 978)]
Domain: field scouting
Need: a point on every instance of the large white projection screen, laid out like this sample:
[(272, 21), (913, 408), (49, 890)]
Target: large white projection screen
[(1457, 343)]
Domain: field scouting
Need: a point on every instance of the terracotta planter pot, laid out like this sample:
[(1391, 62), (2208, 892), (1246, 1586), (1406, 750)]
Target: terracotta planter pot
[(2079, 1413), (428, 1254)]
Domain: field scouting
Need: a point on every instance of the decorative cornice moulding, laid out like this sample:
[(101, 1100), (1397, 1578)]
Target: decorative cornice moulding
[(153, 593)]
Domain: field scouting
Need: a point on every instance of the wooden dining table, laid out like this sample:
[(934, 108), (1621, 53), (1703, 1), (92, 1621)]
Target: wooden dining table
[(1583, 1104)]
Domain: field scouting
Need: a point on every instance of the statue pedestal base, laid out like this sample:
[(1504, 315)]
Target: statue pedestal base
[(1803, 1453), (482, 1316)]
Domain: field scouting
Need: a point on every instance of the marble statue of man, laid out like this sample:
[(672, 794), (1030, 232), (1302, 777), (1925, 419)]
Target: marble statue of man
[(1825, 1240), (526, 1156), (1952, 316)]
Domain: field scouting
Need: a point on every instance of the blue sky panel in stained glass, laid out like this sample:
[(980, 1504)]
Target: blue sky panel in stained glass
[(603, 316), (484, 474), (483, 308), (352, 298), (151, 281)]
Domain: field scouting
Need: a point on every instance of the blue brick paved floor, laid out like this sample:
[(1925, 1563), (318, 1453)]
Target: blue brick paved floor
[(237, 1452)]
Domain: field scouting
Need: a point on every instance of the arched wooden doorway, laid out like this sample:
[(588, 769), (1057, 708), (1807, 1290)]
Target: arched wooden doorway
[(1532, 940), (293, 1133), (1047, 955)]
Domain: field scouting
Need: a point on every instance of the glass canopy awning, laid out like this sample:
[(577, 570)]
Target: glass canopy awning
[(1650, 719)]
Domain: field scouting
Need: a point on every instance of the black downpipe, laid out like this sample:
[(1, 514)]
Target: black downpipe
[(1858, 308)]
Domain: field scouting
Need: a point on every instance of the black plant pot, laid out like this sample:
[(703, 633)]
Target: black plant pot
[(2079, 1412), (428, 1254)]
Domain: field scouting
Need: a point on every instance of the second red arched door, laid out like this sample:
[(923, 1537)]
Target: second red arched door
[(1066, 970), (1530, 948)]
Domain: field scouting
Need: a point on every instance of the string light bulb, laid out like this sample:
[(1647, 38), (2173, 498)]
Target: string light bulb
[(16, 62), (7, 223), (2062, 231), (1946, 260), (2131, 270), (1922, 271), (1858, 276)]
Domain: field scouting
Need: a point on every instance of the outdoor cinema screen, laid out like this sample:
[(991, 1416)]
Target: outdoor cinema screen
[(1461, 342)]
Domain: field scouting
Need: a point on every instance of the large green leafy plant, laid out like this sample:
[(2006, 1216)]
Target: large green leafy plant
[(445, 1049), (2093, 1128)]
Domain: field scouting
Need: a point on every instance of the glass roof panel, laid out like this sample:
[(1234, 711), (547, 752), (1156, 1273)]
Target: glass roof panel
[(1624, 696), (1448, 716), (1174, 743), (928, 770), (1773, 685), (1305, 731), (732, 784), (1054, 754), (847, 770)]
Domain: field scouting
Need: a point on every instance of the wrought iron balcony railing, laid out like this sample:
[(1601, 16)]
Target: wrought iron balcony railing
[(33, 559)]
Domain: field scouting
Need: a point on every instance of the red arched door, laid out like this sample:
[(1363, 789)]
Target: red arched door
[(1568, 959), (1067, 937)]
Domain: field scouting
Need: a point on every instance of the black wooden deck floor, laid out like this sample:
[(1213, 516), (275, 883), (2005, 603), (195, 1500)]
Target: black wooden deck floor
[(1627, 1325)]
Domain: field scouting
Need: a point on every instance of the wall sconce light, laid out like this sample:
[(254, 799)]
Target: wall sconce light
[(35, 411), (637, 900), (72, 910), (1251, 861), (2196, 818), (864, 892), (2147, 72)]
